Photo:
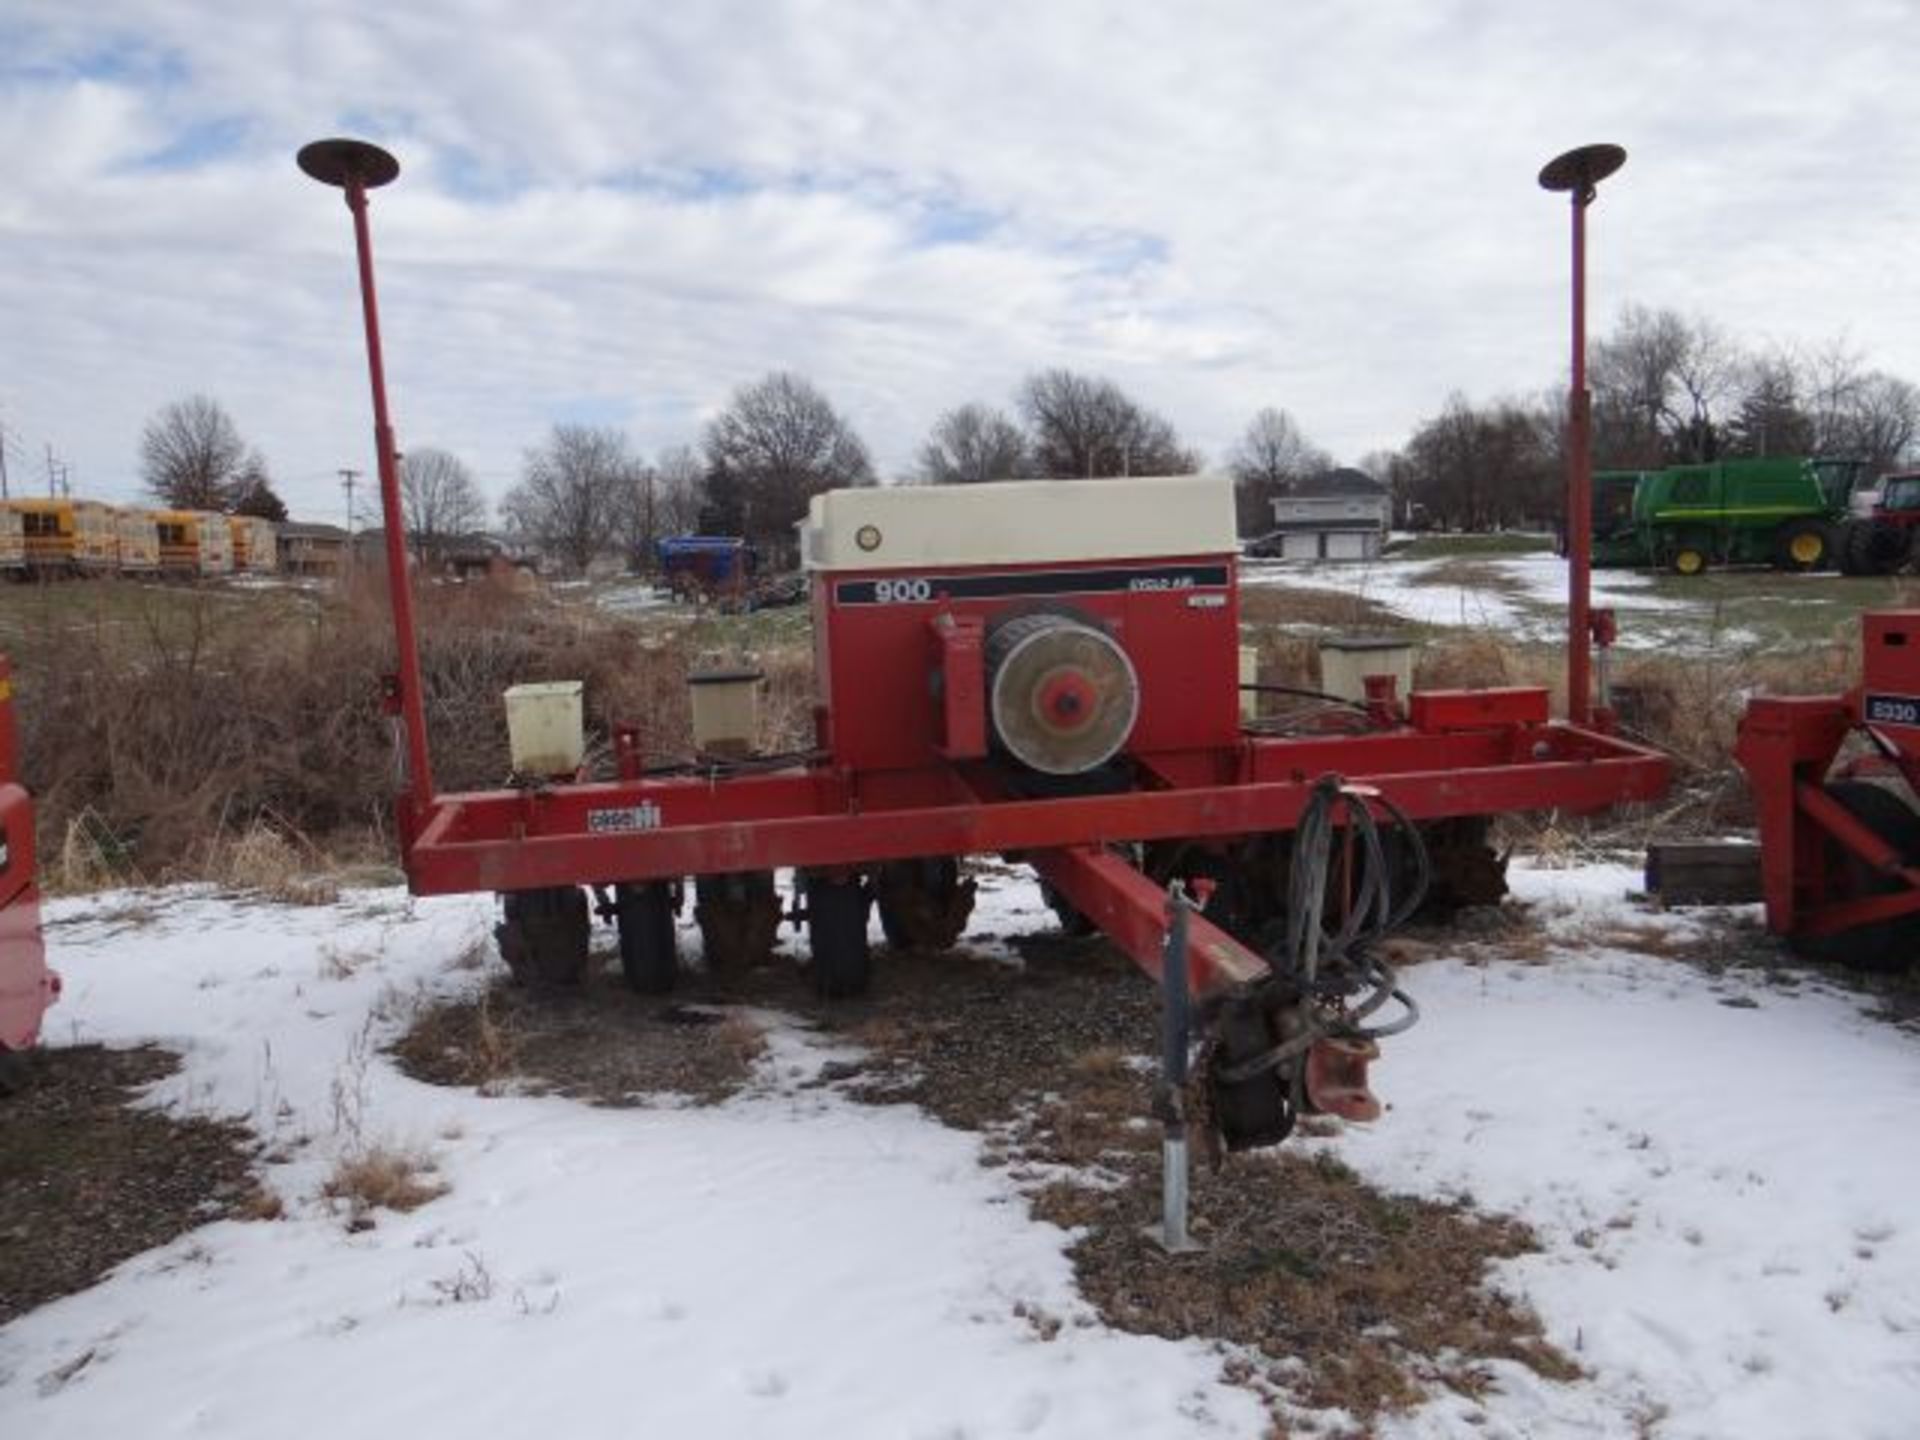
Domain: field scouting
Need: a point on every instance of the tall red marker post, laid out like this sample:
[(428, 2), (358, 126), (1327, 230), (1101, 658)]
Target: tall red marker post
[(1579, 173), (357, 167)]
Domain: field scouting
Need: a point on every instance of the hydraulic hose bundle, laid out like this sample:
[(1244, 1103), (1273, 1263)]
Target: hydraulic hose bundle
[(1300, 1039)]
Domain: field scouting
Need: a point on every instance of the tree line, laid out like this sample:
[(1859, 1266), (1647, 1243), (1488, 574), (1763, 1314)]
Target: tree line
[(779, 442), (1666, 389)]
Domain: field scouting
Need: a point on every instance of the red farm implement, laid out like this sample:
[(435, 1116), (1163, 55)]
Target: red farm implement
[(27, 986), (1042, 671), (1840, 838)]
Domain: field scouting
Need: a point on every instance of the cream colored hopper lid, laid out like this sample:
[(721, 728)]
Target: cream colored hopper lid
[(1013, 522)]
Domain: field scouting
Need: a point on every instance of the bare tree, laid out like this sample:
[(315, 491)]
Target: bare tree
[(438, 498), (1659, 383), (679, 490), (1272, 455), (777, 445), (1856, 413), (1083, 428), (1770, 419), (972, 444), (1475, 468), (1881, 423), (191, 456), (253, 493), (1830, 379), (568, 499)]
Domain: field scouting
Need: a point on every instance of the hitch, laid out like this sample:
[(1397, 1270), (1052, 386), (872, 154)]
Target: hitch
[(1285, 1037), (1278, 1054)]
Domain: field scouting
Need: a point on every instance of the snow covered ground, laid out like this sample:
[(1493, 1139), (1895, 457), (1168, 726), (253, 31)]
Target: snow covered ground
[(1717, 1168), (1521, 596)]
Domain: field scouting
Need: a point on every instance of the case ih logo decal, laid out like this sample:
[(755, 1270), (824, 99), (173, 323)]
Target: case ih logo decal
[(644, 816), (924, 589), (1893, 710)]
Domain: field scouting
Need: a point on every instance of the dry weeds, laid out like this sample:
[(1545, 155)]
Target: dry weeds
[(214, 738), (381, 1177), (601, 1044)]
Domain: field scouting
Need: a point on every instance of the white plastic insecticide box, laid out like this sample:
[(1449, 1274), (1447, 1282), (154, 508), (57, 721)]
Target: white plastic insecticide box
[(546, 727)]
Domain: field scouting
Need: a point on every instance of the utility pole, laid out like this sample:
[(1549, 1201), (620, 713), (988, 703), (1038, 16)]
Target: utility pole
[(347, 477), (52, 493), (5, 494)]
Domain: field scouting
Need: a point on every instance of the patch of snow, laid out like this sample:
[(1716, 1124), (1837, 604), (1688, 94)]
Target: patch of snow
[(632, 597), (788, 1264), (1523, 596), (1713, 1165), (1399, 585)]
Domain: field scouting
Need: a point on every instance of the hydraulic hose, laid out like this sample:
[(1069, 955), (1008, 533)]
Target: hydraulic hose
[(1333, 963)]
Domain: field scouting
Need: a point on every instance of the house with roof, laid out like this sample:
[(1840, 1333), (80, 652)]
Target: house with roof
[(311, 549), (1335, 515)]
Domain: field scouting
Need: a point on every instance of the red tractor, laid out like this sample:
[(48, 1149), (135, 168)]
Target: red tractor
[(1882, 541), (1840, 832), (1034, 670), (27, 986)]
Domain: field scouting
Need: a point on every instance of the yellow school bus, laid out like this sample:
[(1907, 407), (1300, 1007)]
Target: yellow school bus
[(139, 541), (13, 543), (254, 550), (194, 543), (62, 535)]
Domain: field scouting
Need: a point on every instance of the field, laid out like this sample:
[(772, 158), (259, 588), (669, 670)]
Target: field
[(917, 1216), (1632, 1179), (1516, 586)]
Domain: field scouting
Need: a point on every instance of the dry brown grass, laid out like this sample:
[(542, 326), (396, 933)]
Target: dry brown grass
[(470, 1043), (742, 1038), (264, 859), (262, 1204), (224, 736), (599, 1044), (382, 1177), (1266, 606), (1688, 706)]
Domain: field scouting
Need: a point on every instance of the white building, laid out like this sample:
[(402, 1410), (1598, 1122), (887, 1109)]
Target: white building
[(1339, 515)]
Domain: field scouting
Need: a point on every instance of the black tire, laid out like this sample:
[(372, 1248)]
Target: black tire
[(1855, 547), (924, 904), (545, 936), (1463, 867), (1803, 545), (739, 918), (1073, 924), (1884, 945), (16, 1071), (649, 958), (1870, 548), (837, 935)]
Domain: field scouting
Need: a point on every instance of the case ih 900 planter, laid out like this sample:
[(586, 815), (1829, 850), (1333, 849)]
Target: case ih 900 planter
[(1030, 669)]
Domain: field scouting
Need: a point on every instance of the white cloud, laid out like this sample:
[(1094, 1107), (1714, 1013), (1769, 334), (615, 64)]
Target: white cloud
[(626, 211)]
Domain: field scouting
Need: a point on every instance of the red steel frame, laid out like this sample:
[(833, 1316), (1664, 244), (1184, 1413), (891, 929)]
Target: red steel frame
[(1788, 746), (1478, 753), (27, 986)]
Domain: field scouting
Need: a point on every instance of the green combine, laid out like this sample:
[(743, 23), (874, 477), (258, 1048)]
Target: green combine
[(1784, 512)]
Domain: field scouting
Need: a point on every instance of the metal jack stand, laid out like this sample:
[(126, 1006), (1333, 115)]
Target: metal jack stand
[(1170, 1096)]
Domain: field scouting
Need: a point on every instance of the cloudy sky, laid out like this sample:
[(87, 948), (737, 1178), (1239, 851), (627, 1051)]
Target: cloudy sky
[(617, 212)]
